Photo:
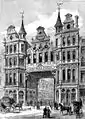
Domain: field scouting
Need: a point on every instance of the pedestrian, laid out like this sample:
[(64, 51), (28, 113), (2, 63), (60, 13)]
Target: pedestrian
[(44, 112)]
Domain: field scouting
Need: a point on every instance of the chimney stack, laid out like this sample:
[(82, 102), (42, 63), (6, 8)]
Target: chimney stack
[(76, 21)]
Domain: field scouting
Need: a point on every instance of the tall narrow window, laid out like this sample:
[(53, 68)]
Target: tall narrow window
[(68, 40), (63, 75), (56, 42), (21, 80), (22, 48), (40, 57), (73, 40), (68, 56), (15, 61), (10, 62), (10, 48), (52, 56), (14, 78), (29, 58), (7, 49), (74, 54), (63, 56), (6, 82), (6, 61), (34, 58), (10, 78), (14, 48), (68, 75), (57, 77), (73, 75), (46, 56), (57, 56), (63, 41)]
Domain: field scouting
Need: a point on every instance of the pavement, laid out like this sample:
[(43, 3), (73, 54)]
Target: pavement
[(30, 111)]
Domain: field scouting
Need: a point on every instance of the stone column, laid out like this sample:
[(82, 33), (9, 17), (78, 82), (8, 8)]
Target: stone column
[(37, 56), (32, 58), (49, 56), (59, 95), (24, 98), (76, 94), (66, 74), (17, 96), (71, 75), (60, 83), (43, 57)]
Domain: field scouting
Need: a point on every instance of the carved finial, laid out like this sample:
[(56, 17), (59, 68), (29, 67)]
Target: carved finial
[(22, 13), (59, 3)]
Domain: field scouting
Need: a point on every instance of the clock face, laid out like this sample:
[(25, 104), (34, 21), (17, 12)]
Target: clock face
[(68, 26)]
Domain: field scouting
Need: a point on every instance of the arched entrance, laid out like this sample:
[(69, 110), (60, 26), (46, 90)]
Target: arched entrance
[(63, 95), (15, 95), (73, 95), (21, 96), (67, 96)]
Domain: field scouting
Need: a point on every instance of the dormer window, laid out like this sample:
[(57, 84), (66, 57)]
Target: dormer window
[(68, 26)]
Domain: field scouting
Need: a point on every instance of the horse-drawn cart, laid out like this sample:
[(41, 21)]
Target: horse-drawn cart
[(77, 108), (8, 104)]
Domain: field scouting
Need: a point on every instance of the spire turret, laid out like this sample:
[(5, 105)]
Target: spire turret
[(58, 24), (22, 31)]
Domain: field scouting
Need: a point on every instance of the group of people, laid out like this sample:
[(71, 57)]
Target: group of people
[(46, 112)]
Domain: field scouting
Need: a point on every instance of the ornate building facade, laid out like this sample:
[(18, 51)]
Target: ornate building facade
[(15, 62), (59, 60)]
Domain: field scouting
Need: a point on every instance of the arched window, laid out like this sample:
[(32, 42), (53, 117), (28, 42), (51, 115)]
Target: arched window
[(63, 56), (56, 42), (22, 48), (52, 56), (73, 75), (63, 75), (7, 49), (68, 40), (57, 77), (73, 40), (10, 48), (34, 58), (46, 56), (6, 82), (40, 57), (68, 56), (63, 41), (73, 95), (15, 61), (29, 58), (21, 79), (74, 55), (6, 61), (14, 78), (68, 75), (10, 62), (10, 78), (15, 48)]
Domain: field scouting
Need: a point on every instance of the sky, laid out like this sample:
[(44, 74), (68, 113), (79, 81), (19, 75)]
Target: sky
[(38, 12)]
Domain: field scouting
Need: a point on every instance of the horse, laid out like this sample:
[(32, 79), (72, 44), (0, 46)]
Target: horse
[(63, 108)]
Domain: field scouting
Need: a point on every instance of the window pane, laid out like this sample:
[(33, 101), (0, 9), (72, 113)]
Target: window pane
[(34, 58), (51, 56), (22, 47), (10, 48), (46, 56), (29, 58), (40, 57), (68, 56)]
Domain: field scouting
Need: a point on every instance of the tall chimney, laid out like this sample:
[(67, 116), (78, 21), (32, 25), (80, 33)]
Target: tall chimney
[(76, 21)]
